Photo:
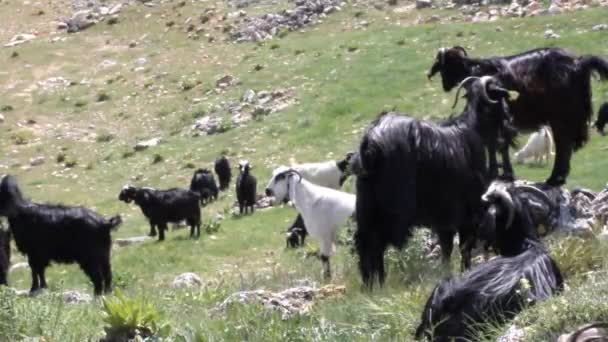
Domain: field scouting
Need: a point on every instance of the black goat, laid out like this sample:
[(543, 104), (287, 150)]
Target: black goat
[(5, 254), (163, 206), (246, 188), (296, 233), (602, 118), (204, 184), (554, 88), (58, 233), (415, 173), (224, 174), (497, 290)]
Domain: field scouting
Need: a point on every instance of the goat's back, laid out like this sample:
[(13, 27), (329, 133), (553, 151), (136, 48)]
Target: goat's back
[(322, 173)]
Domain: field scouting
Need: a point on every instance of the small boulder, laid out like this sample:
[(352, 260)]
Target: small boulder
[(423, 4), (37, 161), (142, 145), (249, 96), (187, 280), (1, 118), (550, 34), (600, 27), (75, 297)]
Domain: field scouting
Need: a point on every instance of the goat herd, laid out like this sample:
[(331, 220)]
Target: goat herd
[(409, 173)]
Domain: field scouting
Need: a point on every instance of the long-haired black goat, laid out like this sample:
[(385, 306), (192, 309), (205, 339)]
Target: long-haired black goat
[(222, 169), (204, 184), (602, 118), (5, 254), (497, 290), (163, 206), (46, 233), (416, 173), (554, 88)]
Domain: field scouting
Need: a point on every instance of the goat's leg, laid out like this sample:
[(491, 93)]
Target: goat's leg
[(563, 153), (326, 249), (467, 241), (106, 270), (162, 227), (507, 168), (493, 164), (152, 229), (35, 269), (93, 269), (446, 241)]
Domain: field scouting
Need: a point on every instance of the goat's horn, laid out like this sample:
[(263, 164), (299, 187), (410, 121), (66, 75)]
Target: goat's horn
[(297, 173), (442, 55), (484, 91), (536, 191), (465, 81), (458, 47)]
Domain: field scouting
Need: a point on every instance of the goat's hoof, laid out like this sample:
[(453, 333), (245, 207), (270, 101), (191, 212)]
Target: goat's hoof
[(152, 234)]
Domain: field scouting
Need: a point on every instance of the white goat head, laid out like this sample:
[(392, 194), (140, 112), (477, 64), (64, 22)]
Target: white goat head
[(278, 186)]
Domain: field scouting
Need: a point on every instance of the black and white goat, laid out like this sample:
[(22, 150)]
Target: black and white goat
[(204, 184), (224, 174), (602, 118), (5, 254), (57, 233), (324, 210), (413, 173), (497, 290), (163, 206), (554, 88), (246, 188)]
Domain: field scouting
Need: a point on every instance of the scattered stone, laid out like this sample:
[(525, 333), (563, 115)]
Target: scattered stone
[(187, 280), (225, 81), (210, 125), (600, 27), (499, 29), (264, 202), (433, 19), (20, 39), (555, 9), (81, 20), (54, 83), (143, 145), (249, 96), (115, 10), (75, 297), (423, 4), (513, 334), (550, 34), (131, 241), (1, 118), (37, 161), (141, 61)]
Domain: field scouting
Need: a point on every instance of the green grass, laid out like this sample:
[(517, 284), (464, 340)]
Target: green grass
[(341, 78)]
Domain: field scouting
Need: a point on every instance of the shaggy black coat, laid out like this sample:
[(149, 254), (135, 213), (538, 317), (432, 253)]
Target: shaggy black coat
[(494, 291), (223, 172), (246, 189), (46, 233), (163, 206), (5, 255), (554, 89), (204, 184), (602, 118), (414, 173)]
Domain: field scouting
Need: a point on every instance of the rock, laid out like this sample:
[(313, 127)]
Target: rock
[(433, 19), (20, 39), (1, 118), (187, 280), (265, 202), (141, 61), (532, 7), (115, 9), (600, 27), (131, 241), (555, 9), (225, 81), (81, 20), (588, 332), (142, 145), (550, 34), (75, 297), (499, 29), (37, 161), (54, 83), (513, 334), (249, 96), (210, 125), (423, 4), (260, 111)]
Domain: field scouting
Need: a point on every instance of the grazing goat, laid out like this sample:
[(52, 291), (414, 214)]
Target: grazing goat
[(539, 147), (204, 184), (46, 233), (163, 206), (5, 255), (222, 169), (602, 118), (324, 210), (246, 188), (414, 173), (330, 174), (554, 88), (497, 290)]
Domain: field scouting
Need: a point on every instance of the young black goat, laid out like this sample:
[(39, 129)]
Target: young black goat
[(163, 206), (222, 169), (246, 188), (204, 184), (554, 88), (58, 233), (5, 254), (497, 290), (602, 118), (415, 173)]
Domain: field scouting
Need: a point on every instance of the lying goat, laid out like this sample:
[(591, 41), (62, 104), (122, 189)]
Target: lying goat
[(163, 206), (47, 233), (538, 147), (324, 210), (497, 290)]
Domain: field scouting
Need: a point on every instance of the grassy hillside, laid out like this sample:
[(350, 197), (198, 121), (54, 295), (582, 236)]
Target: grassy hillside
[(340, 77)]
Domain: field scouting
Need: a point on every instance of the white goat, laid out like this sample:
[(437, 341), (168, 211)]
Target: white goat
[(330, 173), (539, 147), (323, 209)]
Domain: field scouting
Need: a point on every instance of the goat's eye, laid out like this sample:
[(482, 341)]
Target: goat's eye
[(280, 176)]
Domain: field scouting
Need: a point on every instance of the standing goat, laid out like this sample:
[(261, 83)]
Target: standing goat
[(5, 254), (204, 184), (163, 206), (324, 210), (414, 173), (246, 188), (497, 290), (602, 118), (222, 169), (554, 88), (46, 233), (539, 147)]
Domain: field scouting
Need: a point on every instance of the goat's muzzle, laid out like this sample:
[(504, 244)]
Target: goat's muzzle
[(268, 192)]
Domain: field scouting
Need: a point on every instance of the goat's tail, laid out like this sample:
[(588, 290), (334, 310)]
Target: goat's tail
[(599, 65), (114, 222)]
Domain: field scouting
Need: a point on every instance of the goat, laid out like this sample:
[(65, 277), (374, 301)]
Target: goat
[(163, 206), (331, 174), (554, 88), (5, 254), (246, 188), (222, 169), (46, 233), (324, 210), (413, 173), (204, 184), (539, 147), (602, 118), (497, 290)]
